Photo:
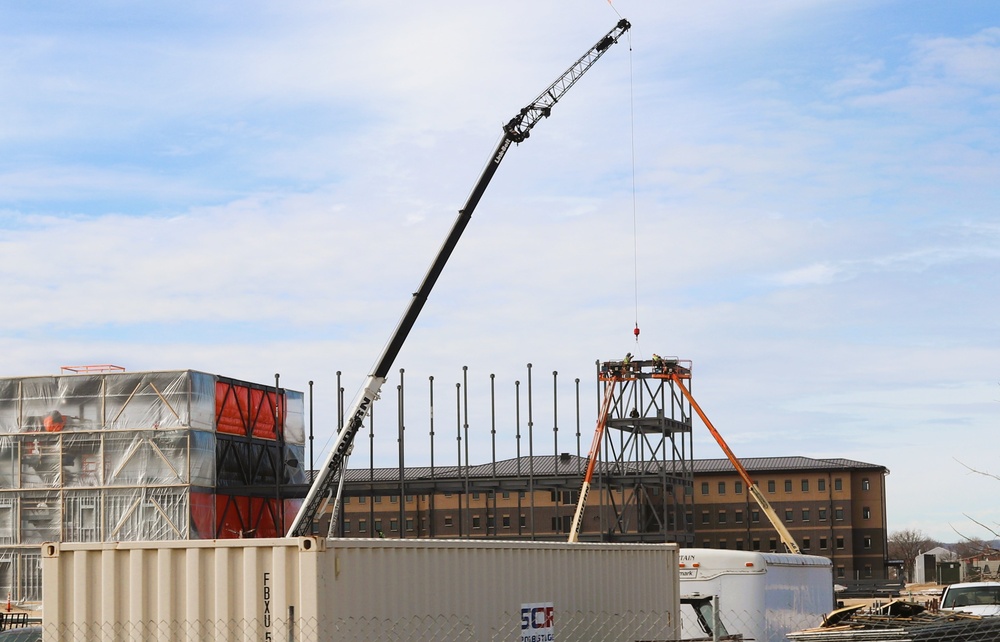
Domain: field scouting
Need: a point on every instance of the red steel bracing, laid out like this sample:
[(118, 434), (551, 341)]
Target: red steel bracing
[(595, 449)]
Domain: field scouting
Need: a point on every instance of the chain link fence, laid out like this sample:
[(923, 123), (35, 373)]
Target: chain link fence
[(566, 626), (705, 622)]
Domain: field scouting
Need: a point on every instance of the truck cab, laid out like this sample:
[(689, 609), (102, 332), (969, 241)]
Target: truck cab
[(978, 598)]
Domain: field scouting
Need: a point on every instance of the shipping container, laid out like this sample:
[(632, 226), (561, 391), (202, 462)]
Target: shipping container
[(360, 590)]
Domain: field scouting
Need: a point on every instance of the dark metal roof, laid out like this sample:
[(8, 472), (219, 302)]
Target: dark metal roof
[(570, 465)]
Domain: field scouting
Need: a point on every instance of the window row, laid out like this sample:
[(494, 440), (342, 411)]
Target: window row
[(824, 544), (805, 515), (772, 486), (361, 525), (561, 497)]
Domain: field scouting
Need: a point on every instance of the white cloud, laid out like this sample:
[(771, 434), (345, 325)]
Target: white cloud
[(252, 189)]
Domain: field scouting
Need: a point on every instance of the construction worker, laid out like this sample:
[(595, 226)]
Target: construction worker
[(627, 362), (54, 421), (657, 363)]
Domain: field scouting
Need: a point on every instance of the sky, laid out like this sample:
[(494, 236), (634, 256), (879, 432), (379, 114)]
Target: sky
[(798, 196)]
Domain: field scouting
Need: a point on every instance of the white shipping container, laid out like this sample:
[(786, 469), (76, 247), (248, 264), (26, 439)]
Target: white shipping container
[(360, 590)]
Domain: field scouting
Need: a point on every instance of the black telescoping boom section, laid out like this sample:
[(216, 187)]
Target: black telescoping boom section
[(515, 131)]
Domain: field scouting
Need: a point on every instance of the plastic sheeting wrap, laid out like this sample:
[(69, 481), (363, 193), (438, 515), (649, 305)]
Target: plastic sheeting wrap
[(128, 456)]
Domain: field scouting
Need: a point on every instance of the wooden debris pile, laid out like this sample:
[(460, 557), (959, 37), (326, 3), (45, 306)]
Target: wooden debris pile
[(902, 621)]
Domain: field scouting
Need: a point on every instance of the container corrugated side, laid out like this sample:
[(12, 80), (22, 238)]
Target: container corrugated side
[(391, 590)]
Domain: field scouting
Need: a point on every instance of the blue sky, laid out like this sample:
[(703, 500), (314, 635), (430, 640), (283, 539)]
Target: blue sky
[(251, 188)]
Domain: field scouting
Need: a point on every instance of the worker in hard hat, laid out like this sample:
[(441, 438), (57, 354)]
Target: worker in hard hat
[(54, 421)]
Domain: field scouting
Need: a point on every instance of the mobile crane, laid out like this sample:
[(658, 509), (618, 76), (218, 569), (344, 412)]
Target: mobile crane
[(515, 131)]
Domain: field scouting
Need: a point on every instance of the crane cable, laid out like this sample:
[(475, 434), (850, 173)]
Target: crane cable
[(635, 224)]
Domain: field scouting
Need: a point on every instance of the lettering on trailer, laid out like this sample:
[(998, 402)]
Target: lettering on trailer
[(537, 622), (267, 607)]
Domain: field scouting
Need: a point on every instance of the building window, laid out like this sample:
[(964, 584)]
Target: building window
[(491, 523), (755, 544), (393, 499), (378, 526), (722, 488), (866, 484), (840, 541), (347, 500), (772, 544), (805, 485), (476, 521), (347, 526), (378, 499), (704, 517), (805, 514), (788, 514), (722, 543), (393, 525), (722, 517), (866, 513), (409, 498), (704, 488), (409, 524), (788, 485), (447, 520), (840, 571), (838, 484), (738, 487), (822, 514), (868, 541), (505, 520), (475, 495), (821, 485), (505, 494), (868, 570), (822, 543), (522, 521), (838, 514), (520, 494), (738, 516), (706, 544), (805, 543), (755, 516), (362, 500), (570, 497), (362, 526), (770, 485), (739, 545)]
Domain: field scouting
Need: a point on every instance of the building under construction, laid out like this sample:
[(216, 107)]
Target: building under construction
[(641, 492), (129, 456)]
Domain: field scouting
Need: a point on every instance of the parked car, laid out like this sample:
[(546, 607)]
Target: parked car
[(978, 598)]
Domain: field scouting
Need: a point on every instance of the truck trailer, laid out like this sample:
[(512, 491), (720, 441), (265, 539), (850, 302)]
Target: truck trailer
[(757, 595)]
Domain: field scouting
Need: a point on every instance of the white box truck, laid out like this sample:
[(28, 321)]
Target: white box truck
[(761, 596)]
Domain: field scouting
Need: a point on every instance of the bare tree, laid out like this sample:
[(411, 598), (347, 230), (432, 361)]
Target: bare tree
[(992, 529), (906, 545)]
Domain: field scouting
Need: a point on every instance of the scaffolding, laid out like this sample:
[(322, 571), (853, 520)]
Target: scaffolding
[(646, 475), (138, 456)]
